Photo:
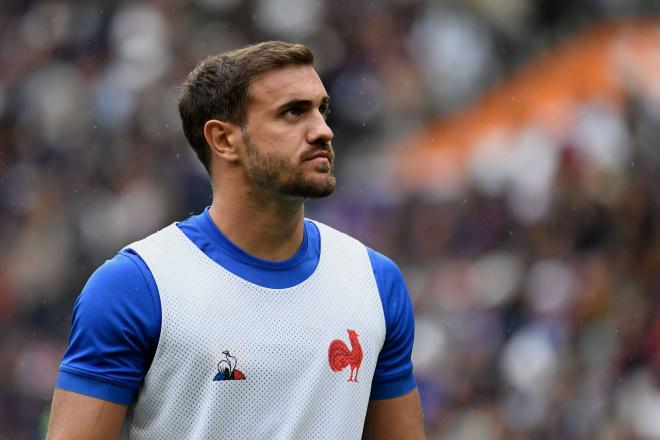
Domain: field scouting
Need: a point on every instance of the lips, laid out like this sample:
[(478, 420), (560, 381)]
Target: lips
[(320, 155)]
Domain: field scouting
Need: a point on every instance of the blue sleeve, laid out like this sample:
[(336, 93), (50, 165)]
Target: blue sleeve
[(115, 331), (394, 371)]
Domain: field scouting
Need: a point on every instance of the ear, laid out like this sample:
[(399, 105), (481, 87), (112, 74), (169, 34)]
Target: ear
[(222, 138)]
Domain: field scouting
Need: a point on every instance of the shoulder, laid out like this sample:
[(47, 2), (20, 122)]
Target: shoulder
[(391, 286), (126, 269), (385, 269), (340, 238), (126, 264), (330, 231), (387, 273), (122, 286), (155, 239)]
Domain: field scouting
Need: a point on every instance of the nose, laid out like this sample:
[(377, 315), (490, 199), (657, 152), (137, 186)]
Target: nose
[(319, 131)]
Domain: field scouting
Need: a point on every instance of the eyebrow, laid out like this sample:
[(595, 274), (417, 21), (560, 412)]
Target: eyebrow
[(303, 103)]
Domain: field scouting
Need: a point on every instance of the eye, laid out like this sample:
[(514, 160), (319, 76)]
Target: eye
[(293, 112), (325, 111)]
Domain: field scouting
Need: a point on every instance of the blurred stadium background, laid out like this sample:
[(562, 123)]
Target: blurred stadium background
[(503, 152)]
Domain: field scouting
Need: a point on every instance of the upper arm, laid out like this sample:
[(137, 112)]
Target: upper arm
[(76, 416), (399, 418), (115, 330), (394, 370)]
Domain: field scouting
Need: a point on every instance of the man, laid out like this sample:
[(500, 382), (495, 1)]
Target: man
[(246, 321)]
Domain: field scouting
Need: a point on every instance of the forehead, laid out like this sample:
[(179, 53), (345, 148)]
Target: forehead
[(281, 85)]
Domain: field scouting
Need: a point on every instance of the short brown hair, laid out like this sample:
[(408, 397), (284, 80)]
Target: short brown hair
[(217, 88)]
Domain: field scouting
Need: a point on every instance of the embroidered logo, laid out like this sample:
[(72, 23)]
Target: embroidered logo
[(227, 369), (340, 356)]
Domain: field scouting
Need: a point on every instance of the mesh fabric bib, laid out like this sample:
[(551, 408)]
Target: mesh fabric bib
[(239, 361)]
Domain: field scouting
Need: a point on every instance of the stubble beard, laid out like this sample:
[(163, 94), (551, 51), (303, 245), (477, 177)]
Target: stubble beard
[(276, 173)]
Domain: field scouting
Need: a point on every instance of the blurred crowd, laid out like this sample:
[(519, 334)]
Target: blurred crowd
[(537, 326), (536, 317)]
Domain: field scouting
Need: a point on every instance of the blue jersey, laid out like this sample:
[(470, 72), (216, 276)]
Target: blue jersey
[(117, 317)]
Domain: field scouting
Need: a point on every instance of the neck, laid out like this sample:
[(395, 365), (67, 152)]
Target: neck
[(263, 224)]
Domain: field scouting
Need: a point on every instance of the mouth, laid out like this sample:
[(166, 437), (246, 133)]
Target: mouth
[(320, 157)]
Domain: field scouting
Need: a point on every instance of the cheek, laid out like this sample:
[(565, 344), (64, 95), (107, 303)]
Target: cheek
[(286, 147), (274, 138), (282, 141), (279, 160)]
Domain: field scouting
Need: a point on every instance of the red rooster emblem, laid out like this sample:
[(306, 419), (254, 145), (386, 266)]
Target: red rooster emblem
[(340, 356)]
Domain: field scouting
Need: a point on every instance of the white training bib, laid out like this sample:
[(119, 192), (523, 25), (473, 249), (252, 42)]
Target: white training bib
[(239, 361)]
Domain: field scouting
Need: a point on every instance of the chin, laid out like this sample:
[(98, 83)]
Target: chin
[(325, 192), (311, 188), (321, 190)]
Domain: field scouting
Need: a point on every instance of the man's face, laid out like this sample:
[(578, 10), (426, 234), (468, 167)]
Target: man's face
[(286, 138)]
